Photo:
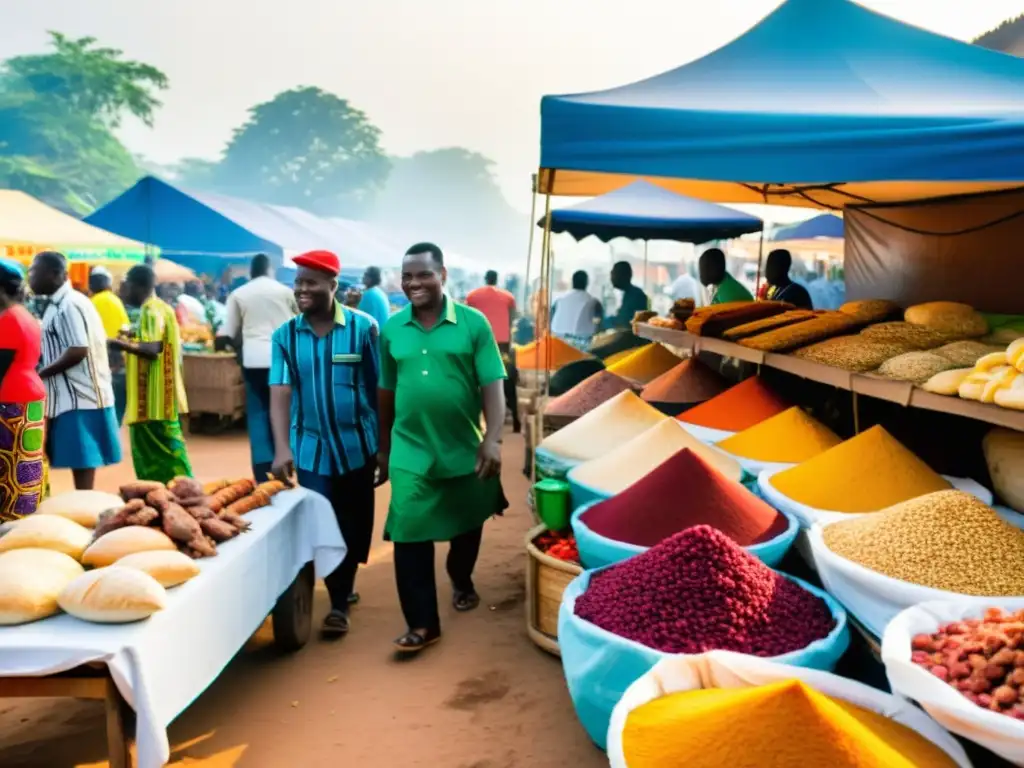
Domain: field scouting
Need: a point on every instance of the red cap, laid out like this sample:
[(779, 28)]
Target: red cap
[(323, 261)]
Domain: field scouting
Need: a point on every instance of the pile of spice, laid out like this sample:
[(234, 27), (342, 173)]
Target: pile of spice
[(587, 395), (561, 546), (947, 540), (700, 591), (653, 509), (687, 383), (646, 364), (790, 437), (618, 469), (866, 473), (568, 376), (980, 658), (781, 725), (606, 427), (740, 407), (547, 354)]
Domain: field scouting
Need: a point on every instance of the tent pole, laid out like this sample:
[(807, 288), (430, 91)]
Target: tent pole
[(645, 271), (760, 250), (542, 322), (529, 247)]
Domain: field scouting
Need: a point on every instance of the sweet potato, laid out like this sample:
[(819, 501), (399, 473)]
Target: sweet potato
[(138, 489), (180, 525), (184, 487), (218, 530)]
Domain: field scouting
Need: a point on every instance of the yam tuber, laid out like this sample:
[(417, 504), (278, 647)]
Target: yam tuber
[(200, 512), (185, 487), (180, 525), (160, 499), (236, 522), (135, 512), (201, 546), (218, 530), (138, 489)]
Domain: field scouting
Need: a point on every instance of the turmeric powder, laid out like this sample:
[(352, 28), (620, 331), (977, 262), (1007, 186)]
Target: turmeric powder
[(646, 364), (867, 473), (790, 437), (782, 725)]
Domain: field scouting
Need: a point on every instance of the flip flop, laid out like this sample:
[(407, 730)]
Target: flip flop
[(413, 642), (465, 601), (336, 624), (353, 598)]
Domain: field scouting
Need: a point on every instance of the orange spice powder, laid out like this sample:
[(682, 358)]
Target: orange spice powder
[(740, 407)]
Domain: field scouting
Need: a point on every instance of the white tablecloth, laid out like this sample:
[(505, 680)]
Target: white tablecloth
[(163, 664)]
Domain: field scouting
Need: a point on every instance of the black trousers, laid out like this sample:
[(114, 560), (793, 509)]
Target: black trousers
[(351, 496), (511, 382), (414, 575)]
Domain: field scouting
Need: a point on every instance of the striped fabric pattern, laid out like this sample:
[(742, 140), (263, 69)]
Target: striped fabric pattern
[(156, 388), (334, 390), (69, 319)]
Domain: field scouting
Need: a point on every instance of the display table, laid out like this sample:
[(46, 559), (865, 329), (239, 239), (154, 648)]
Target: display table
[(214, 385), (159, 666)]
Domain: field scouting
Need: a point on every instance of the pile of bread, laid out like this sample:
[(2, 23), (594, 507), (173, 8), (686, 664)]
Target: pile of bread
[(997, 377), (136, 548)]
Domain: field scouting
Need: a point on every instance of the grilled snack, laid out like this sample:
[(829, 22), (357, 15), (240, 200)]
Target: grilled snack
[(718, 318), (871, 310), (805, 332), (768, 323)]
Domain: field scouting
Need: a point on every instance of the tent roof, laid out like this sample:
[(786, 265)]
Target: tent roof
[(644, 211), (825, 225), (819, 93), (24, 220)]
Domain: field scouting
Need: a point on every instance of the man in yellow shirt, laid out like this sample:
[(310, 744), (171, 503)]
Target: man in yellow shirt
[(114, 317)]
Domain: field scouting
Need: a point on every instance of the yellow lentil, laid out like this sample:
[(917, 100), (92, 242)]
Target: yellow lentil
[(946, 540)]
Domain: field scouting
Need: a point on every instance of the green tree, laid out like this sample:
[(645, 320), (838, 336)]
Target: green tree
[(308, 148)]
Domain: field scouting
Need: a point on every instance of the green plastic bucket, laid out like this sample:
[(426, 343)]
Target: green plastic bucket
[(551, 499)]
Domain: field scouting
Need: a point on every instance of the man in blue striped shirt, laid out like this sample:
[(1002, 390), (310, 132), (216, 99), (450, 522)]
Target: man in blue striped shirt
[(324, 368)]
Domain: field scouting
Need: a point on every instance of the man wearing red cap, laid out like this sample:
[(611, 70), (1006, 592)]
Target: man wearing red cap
[(323, 411), (440, 367)]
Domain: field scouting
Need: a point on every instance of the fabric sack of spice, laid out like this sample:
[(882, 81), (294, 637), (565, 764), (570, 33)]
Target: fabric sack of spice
[(875, 599), (599, 664), (724, 670), (995, 731), (652, 509)]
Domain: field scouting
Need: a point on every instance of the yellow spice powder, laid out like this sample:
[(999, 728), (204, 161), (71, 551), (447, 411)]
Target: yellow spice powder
[(866, 473), (645, 364), (789, 437), (782, 725)]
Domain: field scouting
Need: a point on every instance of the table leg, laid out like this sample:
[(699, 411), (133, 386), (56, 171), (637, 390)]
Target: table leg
[(117, 736)]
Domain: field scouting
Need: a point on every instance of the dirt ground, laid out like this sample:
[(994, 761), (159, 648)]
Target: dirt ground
[(485, 697)]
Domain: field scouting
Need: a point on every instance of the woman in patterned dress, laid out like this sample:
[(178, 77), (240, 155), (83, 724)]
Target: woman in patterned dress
[(22, 395)]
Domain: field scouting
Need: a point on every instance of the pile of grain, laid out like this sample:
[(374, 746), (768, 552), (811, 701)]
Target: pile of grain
[(915, 337), (965, 354), (851, 353), (947, 540), (917, 367), (608, 426)]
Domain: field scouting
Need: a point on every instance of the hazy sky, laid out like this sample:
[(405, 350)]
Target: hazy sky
[(430, 73)]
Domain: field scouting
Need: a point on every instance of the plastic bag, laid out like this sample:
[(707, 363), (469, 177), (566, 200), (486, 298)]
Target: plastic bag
[(597, 551), (808, 516), (722, 669), (998, 733), (599, 666), (874, 599)]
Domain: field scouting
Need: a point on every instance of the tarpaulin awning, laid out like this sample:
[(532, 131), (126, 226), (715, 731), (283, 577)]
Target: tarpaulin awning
[(208, 232), (644, 211), (29, 226), (823, 103), (826, 225)]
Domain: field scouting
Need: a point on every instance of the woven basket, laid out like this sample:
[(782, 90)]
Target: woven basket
[(211, 371), (546, 580)]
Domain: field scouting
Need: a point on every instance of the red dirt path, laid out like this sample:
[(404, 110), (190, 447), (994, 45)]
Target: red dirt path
[(485, 697)]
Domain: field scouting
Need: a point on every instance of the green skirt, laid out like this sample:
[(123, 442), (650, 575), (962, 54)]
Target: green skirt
[(430, 509), (158, 451)]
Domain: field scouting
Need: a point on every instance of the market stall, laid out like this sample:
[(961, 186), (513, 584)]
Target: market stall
[(156, 661), (28, 226), (925, 167)]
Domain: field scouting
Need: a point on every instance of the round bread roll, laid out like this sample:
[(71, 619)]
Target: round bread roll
[(84, 507), (113, 595), (30, 581), (111, 547), (948, 317), (47, 532), (167, 567)]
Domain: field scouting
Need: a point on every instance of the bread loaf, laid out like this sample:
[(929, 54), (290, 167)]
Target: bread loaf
[(947, 382), (111, 547), (170, 568), (1012, 395), (957, 321), (30, 581), (113, 595), (83, 507), (47, 532)]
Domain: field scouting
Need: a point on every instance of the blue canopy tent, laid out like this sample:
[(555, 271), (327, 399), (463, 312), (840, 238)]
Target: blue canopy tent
[(825, 225), (823, 103), (210, 232)]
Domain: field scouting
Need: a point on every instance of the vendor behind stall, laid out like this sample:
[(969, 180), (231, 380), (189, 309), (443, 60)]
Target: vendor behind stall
[(722, 286), (633, 297), (780, 286)]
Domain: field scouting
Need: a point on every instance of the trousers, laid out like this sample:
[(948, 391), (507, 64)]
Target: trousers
[(511, 382), (257, 419), (414, 576), (351, 497)]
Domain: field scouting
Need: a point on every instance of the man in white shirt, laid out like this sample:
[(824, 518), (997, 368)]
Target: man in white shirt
[(576, 315), (254, 312), (81, 430), (687, 287)]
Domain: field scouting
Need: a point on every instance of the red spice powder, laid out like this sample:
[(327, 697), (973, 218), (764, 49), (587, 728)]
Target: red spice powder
[(699, 591), (689, 382), (587, 395), (748, 403), (683, 492)]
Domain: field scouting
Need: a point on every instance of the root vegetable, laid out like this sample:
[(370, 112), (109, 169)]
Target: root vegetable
[(231, 494), (180, 525), (217, 529), (138, 489), (184, 487)]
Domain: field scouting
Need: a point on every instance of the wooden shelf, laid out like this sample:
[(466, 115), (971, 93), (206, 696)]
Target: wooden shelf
[(869, 385)]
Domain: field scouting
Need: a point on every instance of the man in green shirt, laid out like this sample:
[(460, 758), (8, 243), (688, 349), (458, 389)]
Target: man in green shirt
[(713, 275), (440, 367)]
